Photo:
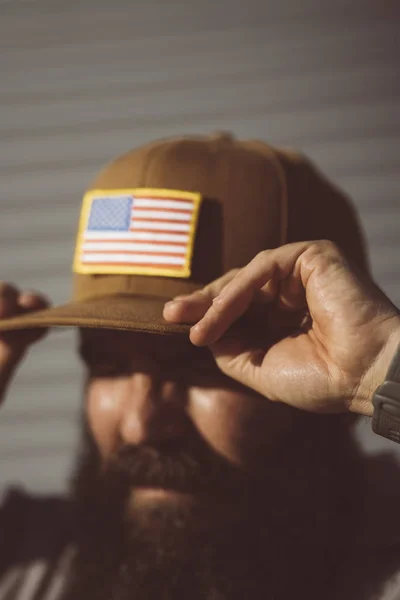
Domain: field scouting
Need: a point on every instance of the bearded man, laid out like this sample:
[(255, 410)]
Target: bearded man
[(190, 485)]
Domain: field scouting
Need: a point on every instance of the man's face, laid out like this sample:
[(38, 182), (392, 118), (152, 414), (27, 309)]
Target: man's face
[(190, 487), (150, 390)]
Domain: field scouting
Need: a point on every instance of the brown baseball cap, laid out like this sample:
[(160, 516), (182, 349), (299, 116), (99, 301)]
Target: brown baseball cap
[(169, 217)]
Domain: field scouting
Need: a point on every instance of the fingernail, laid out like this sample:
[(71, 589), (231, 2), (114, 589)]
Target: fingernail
[(169, 303), (196, 329)]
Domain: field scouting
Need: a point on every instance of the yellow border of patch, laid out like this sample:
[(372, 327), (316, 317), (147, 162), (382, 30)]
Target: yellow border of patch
[(78, 267)]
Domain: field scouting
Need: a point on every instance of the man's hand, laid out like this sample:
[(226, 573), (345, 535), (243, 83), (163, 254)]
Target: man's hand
[(14, 344), (343, 329)]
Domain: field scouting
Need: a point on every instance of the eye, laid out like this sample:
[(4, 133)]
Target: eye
[(204, 366), (198, 364), (108, 368)]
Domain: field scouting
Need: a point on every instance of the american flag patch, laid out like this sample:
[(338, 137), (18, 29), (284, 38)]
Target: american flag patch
[(138, 231)]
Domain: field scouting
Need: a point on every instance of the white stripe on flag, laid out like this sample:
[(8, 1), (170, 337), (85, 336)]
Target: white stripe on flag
[(128, 259), (159, 237), (137, 247), (152, 202), (101, 236), (160, 226), (139, 213)]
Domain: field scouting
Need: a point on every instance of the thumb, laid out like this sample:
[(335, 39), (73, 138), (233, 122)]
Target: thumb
[(240, 361)]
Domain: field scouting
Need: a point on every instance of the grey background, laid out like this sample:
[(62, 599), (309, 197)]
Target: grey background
[(83, 80)]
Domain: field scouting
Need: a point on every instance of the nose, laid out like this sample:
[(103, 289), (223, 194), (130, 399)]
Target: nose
[(153, 411)]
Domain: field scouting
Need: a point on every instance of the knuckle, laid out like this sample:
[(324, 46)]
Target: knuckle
[(218, 304), (261, 256), (324, 247), (231, 274), (215, 287), (316, 251), (226, 279), (205, 292), (322, 255), (32, 295), (203, 296)]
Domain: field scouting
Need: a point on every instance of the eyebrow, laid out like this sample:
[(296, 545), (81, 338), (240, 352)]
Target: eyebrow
[(89, 353)]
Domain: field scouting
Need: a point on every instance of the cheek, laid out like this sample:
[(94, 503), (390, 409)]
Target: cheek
[(103, 401), (243, 427)]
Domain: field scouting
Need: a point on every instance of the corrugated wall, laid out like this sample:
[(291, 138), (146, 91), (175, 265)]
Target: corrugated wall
[(83, 80)]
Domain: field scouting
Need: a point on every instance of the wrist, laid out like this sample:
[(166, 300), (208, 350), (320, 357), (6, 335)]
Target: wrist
[(376, 373)]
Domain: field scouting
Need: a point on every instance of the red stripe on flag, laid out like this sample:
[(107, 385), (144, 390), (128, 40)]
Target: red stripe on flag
[(139, 252), (140, 219), (141, 197), (164, 231)]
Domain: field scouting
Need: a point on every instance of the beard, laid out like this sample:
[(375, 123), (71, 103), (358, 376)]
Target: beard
[(232, 535)]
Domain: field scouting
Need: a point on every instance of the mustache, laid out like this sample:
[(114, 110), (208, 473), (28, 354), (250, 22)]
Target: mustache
[(185, 466)]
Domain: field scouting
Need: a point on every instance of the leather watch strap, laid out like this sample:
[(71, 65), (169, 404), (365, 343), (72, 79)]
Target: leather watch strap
[(386, 401)]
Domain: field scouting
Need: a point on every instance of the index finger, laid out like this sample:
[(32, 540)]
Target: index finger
[(237, 296)]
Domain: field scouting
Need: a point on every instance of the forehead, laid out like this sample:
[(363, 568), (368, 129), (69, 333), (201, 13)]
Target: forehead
[(133, 342)]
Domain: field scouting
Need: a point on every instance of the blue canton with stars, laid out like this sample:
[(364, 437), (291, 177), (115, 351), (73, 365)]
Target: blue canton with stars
[(111, 213)]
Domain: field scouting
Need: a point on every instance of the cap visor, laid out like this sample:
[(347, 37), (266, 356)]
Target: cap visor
[(132, 313)]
